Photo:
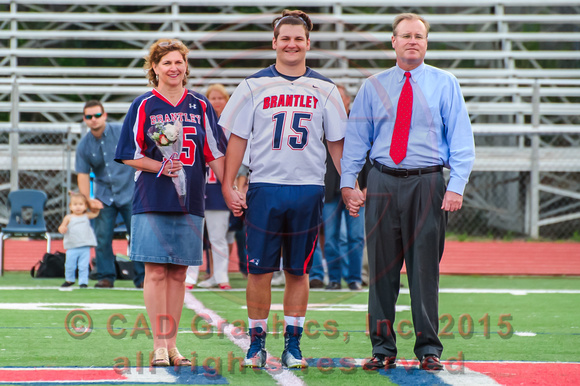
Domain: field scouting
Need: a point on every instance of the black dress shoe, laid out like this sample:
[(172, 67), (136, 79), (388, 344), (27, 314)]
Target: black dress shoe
[(316, 283), (104, 283), (354, 286), (431, 362), (333, 286), (380, 361)]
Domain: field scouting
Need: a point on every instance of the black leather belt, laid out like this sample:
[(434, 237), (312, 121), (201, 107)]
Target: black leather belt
[(407, 172)]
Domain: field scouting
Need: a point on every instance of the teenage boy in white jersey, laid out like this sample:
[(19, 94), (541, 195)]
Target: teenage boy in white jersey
[(284, 112)]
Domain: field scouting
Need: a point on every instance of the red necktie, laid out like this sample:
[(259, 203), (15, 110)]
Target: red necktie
[(402, 122)]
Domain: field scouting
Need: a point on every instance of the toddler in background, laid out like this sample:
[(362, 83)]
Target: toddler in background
[(78, 239)]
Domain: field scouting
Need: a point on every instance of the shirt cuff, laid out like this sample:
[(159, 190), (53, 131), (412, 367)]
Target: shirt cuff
[(347, 181), (456, 185)]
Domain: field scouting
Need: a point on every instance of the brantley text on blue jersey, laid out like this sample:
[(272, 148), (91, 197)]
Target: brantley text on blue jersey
[(173, 117)]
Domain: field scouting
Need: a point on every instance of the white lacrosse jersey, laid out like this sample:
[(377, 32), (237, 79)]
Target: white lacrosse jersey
[(285, 120)]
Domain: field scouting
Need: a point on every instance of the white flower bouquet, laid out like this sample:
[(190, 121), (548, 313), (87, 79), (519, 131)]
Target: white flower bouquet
[(168, 138)]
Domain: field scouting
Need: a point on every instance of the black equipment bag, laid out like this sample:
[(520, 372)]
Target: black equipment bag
[(124, 267), (51, 265)]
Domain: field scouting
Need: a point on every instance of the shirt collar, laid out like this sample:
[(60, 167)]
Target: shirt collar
[(288, 77), (415, 73), (107, 129), (105, 133)]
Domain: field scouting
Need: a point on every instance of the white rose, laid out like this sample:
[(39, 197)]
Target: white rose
[(171, 132)]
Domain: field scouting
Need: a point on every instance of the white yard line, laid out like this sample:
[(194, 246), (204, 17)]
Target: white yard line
[(283, 377), (510, 291), (467, 378)]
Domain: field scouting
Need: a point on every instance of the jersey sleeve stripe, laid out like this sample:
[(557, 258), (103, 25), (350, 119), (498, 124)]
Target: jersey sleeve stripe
[(139, 135), (211, 142), (211, 150)]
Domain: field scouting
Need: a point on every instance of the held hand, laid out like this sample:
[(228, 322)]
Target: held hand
[(236, 201), (353, 199), (95, 204), (171, 169), (452, 201)]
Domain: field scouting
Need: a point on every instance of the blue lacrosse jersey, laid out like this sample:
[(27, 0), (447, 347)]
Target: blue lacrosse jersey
[(214, 199), (202, 141), (285, 120)]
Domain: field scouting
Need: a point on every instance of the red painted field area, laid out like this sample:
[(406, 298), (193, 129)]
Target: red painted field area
[(482, 373), (522, 373), (460, 258)]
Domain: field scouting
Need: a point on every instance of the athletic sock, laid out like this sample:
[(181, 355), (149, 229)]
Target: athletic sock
[(262, 323), (297, 321)]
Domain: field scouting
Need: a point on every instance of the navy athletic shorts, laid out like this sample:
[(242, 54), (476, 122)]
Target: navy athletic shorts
[(282, 220)]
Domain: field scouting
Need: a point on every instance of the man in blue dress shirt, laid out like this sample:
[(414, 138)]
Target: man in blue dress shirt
[(407, 201), (113, 191)]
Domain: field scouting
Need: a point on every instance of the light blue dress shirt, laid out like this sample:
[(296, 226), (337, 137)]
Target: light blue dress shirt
[(440, 132), (114, 182)]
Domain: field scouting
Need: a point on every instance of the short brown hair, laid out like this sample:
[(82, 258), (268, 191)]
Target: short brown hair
[(296, 17), (409, 16), (93, 103), (158, 50)]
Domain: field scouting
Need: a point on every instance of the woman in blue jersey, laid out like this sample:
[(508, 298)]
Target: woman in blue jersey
[(282, 113), (167, 227)]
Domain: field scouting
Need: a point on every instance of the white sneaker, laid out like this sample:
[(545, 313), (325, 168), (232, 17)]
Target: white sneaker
[(209, 283), (279, 278)]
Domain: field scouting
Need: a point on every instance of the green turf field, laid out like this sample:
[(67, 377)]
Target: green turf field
[(487, 324)]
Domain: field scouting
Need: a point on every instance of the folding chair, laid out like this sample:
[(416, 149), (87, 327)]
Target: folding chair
[(26, 218)]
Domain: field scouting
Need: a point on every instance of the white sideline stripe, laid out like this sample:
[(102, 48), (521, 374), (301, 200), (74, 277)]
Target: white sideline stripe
[(161, 376), (403, 290), (525, 333), (467, 378), (284, 377), (501, 291)]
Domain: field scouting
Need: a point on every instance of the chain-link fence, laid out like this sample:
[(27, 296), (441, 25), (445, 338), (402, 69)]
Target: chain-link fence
[(45, 162), (497, 204)]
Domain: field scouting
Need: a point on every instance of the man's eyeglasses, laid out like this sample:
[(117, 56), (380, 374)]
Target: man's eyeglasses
[(409, 37), (169, 43), (88, 117)]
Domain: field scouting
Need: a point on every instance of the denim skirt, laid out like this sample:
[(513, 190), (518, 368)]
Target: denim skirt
[(167, 238)]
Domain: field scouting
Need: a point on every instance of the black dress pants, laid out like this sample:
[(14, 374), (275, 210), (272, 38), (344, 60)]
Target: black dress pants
[(404, 222)]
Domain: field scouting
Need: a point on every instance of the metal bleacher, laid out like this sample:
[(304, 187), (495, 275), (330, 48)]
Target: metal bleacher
[(518, 63)]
